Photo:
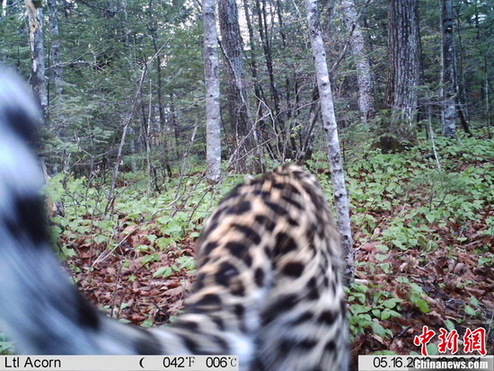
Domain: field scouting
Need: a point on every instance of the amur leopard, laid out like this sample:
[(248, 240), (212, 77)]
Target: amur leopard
[(268, 283)]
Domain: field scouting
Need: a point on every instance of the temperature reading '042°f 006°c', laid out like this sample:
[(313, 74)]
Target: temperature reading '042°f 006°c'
[(211, 362)]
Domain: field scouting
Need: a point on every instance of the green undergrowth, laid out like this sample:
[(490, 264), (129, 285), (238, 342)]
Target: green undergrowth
[(6, 347), (409, 201), (408, 209), (424, 236), (406, 191), (167, 217)]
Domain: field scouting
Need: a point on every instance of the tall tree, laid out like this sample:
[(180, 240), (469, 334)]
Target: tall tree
[(365, 79), (266, 42), (404, 64), (36, 40), (258, 88), (448, 73), (331, 130), (243, 127), (450, 93), (211, 72), (153, 26), (56, 58)]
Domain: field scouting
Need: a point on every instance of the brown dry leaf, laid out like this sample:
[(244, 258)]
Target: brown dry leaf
[(177, 291)]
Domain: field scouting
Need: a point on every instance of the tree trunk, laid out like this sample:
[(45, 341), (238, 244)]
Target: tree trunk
[(258, 90), (238, 105), (36, 39), (125, 128), (331, 130), (266, 46), (153, 27), (460, 72), (56, 59), (211, 73), (365, 81), (404, 57), (487, 97), (174, 125), (448, 75)]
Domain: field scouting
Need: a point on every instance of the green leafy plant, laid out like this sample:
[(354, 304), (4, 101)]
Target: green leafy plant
[(417, 298), (370, 308), (184, 262), (472, 309), (6, 346)]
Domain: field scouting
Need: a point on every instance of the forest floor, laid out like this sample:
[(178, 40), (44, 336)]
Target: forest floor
[(424, 242)]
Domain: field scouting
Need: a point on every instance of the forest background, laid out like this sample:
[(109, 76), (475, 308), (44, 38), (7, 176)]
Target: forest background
[(133, 173)]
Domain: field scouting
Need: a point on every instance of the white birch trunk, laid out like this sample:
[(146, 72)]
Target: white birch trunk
[(36, 40), (4, 8), (56, 47), (448, 73), (331, 130), (365, 82), (211, 73)]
